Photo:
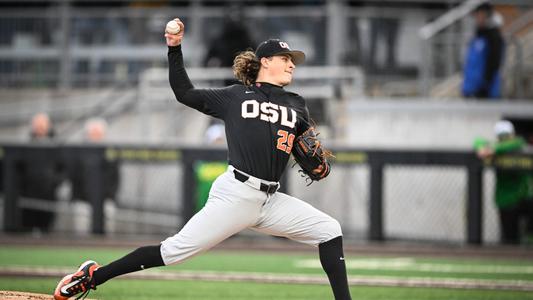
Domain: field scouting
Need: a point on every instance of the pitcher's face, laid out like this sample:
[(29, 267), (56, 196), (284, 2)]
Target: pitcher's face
[(280, 68)]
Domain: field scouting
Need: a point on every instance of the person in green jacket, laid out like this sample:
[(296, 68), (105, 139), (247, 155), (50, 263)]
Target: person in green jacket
[(513, 187)]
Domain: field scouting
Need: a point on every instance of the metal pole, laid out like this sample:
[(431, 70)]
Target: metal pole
[(12, 215), (336, 32), (475, 204), (65, 59), (424, 68), (195, 29), (450, 38), (375, 229), (94, 185), (189, 187)]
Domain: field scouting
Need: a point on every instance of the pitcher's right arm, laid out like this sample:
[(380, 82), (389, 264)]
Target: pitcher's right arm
[(208, 101)]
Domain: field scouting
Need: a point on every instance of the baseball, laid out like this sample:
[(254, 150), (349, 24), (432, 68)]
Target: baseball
[(172, 27)]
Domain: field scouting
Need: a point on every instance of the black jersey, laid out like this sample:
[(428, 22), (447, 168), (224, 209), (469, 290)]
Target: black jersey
[(261, 120)]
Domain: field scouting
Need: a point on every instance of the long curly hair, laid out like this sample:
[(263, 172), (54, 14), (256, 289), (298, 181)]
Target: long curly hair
[(246, 67)]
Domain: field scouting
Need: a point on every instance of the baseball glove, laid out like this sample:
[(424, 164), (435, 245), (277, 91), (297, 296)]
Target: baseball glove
[(311, 157)]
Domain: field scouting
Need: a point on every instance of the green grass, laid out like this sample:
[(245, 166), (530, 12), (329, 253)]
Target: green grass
[(242, 261), (122, 289)]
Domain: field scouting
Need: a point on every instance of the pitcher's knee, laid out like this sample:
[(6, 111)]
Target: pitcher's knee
[(175, 250), (332, 229), (335, 228)]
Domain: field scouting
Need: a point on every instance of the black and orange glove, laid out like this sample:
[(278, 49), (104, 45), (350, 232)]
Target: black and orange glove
[(310, 156)]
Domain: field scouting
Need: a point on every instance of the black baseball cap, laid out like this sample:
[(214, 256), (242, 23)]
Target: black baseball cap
[(274, 47)]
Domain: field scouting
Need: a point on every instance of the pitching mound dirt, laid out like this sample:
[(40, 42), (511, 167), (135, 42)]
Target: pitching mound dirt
[(10, 295)]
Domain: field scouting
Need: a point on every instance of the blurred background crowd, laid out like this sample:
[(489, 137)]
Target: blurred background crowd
[(414, 76), (395, 43)]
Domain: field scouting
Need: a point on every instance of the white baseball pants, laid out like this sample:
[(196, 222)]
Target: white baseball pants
[(233, 206)]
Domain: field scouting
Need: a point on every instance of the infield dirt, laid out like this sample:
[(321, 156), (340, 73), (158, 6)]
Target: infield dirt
[(13, 295)]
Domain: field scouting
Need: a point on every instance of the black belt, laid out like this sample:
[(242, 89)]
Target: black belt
[(267, 188)]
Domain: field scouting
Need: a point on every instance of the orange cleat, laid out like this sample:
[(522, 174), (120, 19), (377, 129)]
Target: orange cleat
[(79, 282)]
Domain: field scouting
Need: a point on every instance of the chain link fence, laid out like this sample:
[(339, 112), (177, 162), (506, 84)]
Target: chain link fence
[(425, 203), (149, 199), (344, 195), (157, 188)]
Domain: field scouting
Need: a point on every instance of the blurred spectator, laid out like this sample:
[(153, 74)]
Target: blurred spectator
[(147, 29), (104, 29), (95, 132), (36, 31), (484, 56), (233, 39), (215, 134), (207, 171), (39, 178), (513, 193), (383, 31), (354, 54), (41, 128)]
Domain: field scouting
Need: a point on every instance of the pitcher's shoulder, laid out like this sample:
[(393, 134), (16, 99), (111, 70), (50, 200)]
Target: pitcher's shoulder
[(240, 88), (295, 98)]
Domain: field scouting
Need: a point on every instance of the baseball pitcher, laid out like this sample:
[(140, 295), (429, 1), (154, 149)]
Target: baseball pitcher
[(264, 124)]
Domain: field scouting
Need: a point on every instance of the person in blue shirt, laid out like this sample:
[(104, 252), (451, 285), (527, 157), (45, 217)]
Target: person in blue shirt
[(484, 56)]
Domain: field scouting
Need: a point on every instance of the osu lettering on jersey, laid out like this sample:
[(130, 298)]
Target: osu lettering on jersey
[(261, 120)]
